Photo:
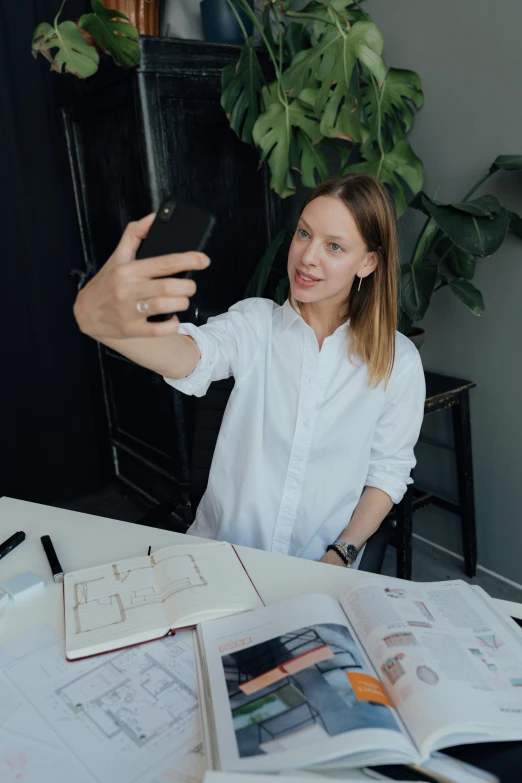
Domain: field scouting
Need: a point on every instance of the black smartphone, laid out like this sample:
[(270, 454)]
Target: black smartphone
[(177, 228)]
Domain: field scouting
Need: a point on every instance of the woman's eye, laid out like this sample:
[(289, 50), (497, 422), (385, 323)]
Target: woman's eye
[(334, 247), (302, 233)]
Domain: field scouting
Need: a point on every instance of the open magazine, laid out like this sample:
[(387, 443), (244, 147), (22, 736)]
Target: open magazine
[(386, 675)]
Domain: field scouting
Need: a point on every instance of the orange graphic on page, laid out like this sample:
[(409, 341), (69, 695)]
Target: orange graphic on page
[(367, 688)]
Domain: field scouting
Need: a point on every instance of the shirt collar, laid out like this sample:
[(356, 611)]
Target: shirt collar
[(290, 316)]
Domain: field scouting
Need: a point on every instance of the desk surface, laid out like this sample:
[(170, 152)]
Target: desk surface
[(83, 540)]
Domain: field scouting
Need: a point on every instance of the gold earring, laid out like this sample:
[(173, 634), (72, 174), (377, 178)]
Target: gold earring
[(360, 281)]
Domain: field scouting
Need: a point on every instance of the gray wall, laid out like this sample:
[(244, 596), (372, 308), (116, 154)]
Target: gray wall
[(469, 57)]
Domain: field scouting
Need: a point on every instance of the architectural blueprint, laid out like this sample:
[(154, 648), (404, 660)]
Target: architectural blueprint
[(130, 716)]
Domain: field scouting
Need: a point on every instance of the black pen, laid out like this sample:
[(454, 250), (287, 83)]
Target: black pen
[(11, 542), (52, 558)]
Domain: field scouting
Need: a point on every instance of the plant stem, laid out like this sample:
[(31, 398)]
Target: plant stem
[(379, 139), (299, 15), (239, 20), (477, 185), (357, 5), (58, 14), (248, 11)]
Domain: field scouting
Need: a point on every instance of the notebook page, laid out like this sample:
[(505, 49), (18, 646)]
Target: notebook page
[(112, 605), (202, 582)]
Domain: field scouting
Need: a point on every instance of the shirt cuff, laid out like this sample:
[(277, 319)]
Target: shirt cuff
[(200, 378), (394, 487)]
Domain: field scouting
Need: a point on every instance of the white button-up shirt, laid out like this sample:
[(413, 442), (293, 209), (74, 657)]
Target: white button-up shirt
[(303, 433)]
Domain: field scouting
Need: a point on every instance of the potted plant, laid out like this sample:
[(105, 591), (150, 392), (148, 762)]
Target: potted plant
[(333, 107), (74, 47)]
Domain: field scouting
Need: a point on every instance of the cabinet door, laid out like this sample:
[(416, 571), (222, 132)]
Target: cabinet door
[(203, 161)]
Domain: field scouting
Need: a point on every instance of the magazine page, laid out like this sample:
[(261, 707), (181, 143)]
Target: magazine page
[(289, 686), (451, 666)]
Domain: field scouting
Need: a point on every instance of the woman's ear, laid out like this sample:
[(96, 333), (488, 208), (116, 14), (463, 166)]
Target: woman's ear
[(370, 265)]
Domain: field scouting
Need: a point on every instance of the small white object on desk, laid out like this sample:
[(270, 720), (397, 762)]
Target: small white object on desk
[(23, 586)]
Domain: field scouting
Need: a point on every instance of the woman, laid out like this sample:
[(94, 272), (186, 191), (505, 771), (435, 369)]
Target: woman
[(317, 439)]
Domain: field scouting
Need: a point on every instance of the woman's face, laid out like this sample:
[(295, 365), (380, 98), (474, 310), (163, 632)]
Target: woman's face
[(326, 253)]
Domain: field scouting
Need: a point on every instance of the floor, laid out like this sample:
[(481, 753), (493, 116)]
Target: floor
[(429, 563)]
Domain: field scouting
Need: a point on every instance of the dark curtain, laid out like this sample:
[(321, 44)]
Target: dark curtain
[(50, 449)]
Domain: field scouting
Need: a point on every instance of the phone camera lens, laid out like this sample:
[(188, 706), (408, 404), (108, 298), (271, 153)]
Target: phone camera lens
[(166, 211)]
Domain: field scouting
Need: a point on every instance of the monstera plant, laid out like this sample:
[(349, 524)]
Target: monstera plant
[(74, 47), (327, 101), (329, 105)]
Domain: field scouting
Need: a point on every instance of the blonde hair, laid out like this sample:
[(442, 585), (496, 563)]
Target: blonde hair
[(372, 310)]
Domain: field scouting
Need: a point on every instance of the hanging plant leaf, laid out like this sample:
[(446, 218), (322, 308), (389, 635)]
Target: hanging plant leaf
[(506, 163), (113, 33), (425, 241), (399, 91), (332, 62), (477, 234), (469, 295), (515, 223), (342, 120), (484, 206), (281, 292), (401, 161), (417, 286), (313, 161), (273, 132), (241, 85), (460, 263), (74, 55), (257, 283)]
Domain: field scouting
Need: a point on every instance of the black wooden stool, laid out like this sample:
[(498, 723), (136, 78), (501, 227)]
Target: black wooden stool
[(443, 392)]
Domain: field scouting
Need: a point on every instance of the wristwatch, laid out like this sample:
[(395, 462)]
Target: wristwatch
[(349, 550)]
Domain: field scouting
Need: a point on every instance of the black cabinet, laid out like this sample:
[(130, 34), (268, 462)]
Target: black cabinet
[(133, 138)]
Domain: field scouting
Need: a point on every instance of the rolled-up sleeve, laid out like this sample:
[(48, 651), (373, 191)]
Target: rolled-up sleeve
[(397, 431), (228, 345)]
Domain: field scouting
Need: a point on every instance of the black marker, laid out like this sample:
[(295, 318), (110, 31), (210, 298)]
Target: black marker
[(51, 557), (11, 542)]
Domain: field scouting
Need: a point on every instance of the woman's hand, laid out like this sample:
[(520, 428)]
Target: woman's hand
[(332, 558), (107, 307)]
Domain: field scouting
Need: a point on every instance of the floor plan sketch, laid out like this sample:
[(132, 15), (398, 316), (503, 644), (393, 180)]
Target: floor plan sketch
[(117, 592), (122, 714)]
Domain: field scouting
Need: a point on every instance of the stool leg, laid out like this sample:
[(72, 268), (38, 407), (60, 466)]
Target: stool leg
[(403, 534), (462, 434)]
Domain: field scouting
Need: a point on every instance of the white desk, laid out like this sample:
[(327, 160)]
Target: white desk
[(82, 540)]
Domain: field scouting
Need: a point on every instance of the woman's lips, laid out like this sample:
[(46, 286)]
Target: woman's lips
[(304, 283)]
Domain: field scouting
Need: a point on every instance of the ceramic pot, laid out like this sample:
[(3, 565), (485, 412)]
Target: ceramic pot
[(220, 24)]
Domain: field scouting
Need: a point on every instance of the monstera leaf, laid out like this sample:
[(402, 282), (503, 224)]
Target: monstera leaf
[(478, 227), (74, 55), (113, 33), (393, 103), (388, 167), (241, 84), (312, 161), (274, 133), (332, 62)]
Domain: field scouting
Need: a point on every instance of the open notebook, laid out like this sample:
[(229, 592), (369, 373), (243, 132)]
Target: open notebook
[(131, 601)]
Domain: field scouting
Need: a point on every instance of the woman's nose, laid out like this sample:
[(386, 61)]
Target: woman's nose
[(310, 255)]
